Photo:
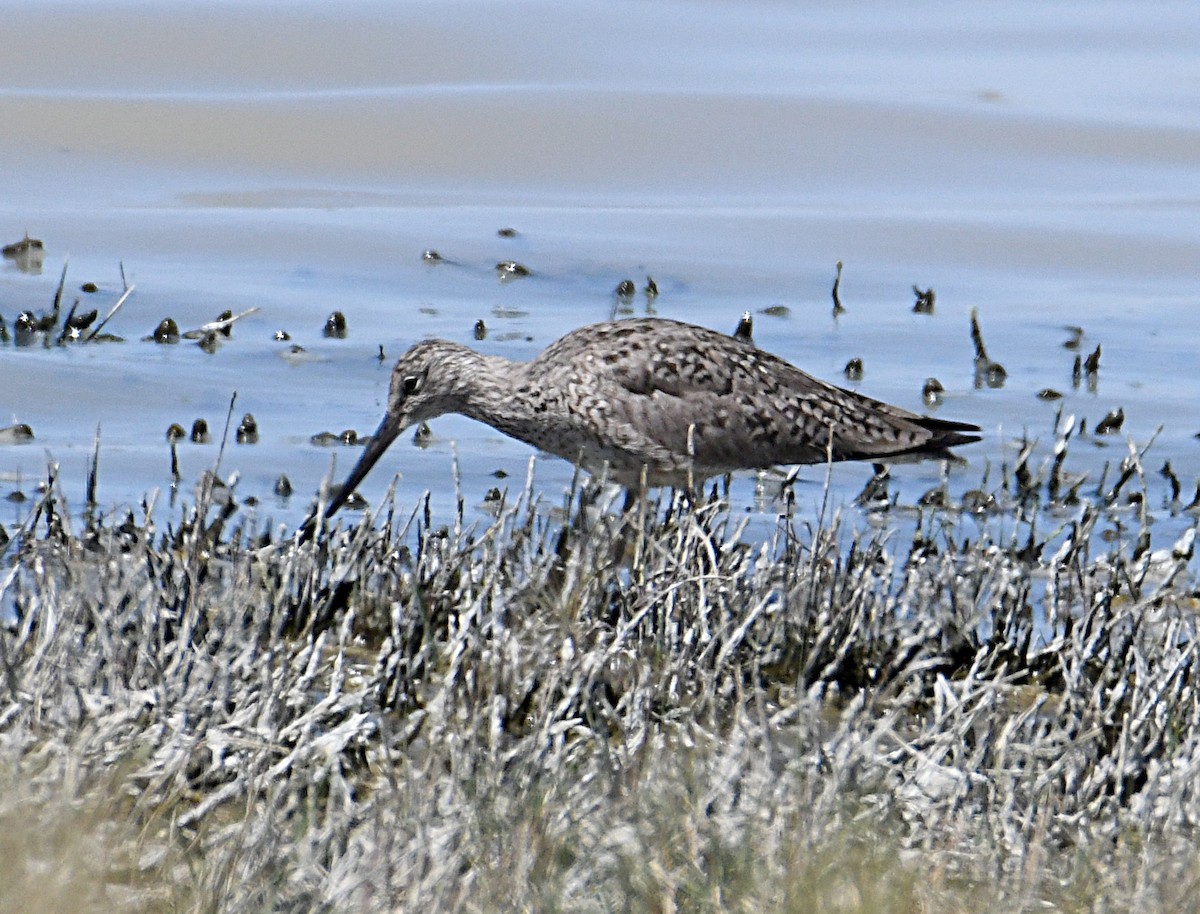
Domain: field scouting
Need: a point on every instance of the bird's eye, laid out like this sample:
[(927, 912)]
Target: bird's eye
[(411, 383)]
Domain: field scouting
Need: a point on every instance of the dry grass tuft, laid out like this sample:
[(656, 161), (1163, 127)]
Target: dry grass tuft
[(564, 710)]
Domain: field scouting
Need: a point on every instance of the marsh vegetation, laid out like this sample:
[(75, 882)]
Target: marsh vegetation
[(565, 709)]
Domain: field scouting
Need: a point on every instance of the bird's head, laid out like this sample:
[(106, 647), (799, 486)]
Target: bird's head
[(427, 381)]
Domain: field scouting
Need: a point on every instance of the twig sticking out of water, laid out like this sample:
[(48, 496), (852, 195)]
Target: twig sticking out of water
[(987, 371), (981, 354), (925, 300), (218, 325), (62, 281), (111, 311), (66, 327), (837, 283), (93, 472)]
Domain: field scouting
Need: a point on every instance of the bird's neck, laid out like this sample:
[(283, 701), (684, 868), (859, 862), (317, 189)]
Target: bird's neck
[(497, 392), (487, 386)]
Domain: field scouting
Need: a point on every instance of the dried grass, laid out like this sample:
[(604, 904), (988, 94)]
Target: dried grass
[(564, 710)]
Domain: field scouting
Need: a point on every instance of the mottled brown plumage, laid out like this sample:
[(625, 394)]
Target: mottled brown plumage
[(681, 401)]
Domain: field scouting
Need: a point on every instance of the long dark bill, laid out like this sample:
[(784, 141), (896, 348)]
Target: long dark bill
[(387, 432)]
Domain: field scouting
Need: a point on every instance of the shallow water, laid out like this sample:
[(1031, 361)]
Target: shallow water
[(1035, 162)]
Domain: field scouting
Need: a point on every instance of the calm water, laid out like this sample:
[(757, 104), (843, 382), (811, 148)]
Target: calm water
[(1037, 162)]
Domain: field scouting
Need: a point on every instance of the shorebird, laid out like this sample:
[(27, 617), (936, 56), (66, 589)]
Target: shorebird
[(655, 401)]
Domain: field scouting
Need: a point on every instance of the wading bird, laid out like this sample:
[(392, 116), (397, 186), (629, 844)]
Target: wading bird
[(655, 400)]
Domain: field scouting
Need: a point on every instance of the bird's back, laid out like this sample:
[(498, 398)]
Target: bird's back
[(674, 396)]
